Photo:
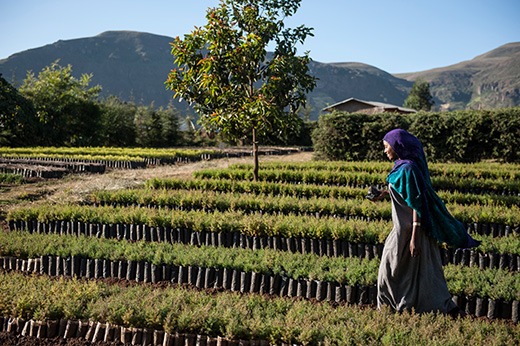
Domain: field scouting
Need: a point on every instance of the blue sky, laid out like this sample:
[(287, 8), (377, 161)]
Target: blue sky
[(393, 35)]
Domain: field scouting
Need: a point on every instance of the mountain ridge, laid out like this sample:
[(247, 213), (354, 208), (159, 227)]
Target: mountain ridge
[(134, 65), (490, 80)]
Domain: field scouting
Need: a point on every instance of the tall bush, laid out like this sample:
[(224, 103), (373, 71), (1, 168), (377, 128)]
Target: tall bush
[(353, 137), (506, 135), (459, 136)]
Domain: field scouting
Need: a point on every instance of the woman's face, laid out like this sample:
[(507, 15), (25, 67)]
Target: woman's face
[(389, 151)]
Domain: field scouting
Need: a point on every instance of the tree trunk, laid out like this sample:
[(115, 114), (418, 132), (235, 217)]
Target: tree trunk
[(255, 156)]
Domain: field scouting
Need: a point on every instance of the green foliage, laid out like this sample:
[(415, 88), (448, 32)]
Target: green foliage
[(462, 280), (225, 72), (339, 138), (460, 136), (350, 270), (117, 123), (299, 135), (222, 202), (345, 202), (8, 178), (492, 283), (107, 153), (250, 316), (420, 97), (66, 106), (67, 113), (219, 222), (18, 122), (156, 128), (478, 170), (505, 135), (360, 179), (237, 316), (354, 137)]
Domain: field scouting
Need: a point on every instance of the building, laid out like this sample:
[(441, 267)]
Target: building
[(353, 105)]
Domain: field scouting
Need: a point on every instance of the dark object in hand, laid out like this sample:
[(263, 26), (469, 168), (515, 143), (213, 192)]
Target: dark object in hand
[(373, 192)]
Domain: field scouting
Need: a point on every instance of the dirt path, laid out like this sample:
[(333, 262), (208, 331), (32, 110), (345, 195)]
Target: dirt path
[(76, 187)]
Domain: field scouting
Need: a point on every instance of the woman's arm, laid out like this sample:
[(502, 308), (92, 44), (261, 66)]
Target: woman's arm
[(416, 234)]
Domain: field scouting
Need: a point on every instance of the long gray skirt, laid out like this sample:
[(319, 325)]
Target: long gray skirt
[(405, 282)]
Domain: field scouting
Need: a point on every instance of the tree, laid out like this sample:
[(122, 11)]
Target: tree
[(117, 122), (170, 126), (18, 122), (225, 72), (420, 97), (66, 107), (156, 127)]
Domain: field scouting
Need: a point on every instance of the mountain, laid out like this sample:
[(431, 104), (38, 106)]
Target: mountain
[(130, 65), (340, 81), (134, 65), (490, 80)]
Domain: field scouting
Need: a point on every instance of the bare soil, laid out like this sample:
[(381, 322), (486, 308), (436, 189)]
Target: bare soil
[(7, 339)]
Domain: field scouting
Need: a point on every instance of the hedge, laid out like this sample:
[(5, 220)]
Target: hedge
[(459, 136)]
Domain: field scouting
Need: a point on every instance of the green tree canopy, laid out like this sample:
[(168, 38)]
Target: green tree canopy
[(225, 72), (117, 123), (18, 122), (66, 107), (420, 97), (156, 127)]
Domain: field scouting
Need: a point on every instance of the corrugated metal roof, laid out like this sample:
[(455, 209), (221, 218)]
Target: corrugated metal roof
[(382, 105)]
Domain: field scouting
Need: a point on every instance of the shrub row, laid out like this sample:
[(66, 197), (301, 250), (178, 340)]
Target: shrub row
[(234, 315), (221, 228), (351, 271), (309, 190), (138, 232), (503, 210), (294, 262), (217, 201), (252, 187), (459, 136), (290, 226), (76, 167), (130, 157), (361, 179), (479, 170), (82, 163), (476, 303), (243, 273), (229, 279), (503, 253), (103, 153)]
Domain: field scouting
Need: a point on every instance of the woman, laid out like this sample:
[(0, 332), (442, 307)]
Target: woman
[(411, 274)]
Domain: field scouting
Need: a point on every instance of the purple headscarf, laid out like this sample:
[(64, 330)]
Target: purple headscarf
[(406, 145), (408, 148)]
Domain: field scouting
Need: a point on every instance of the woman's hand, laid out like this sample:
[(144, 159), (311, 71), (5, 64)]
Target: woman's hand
[(382, 195), (415, 249)]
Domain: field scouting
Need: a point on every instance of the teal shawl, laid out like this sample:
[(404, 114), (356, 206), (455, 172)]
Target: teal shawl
[(410, 178)]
